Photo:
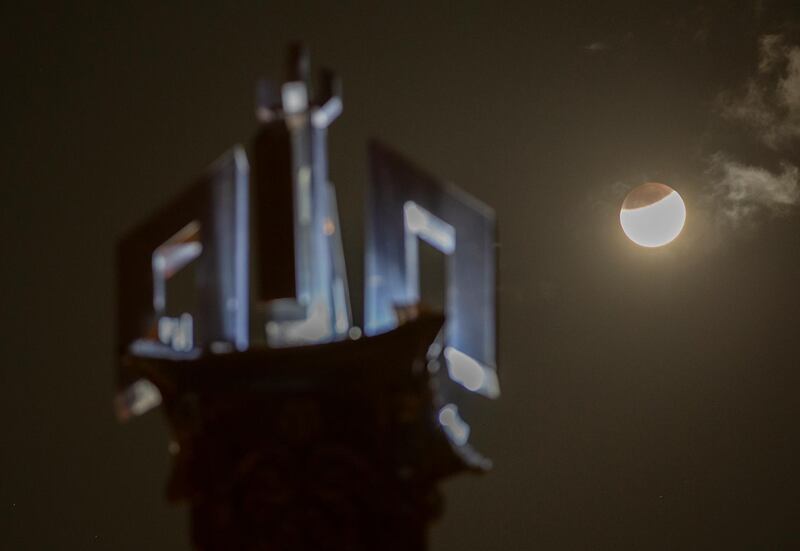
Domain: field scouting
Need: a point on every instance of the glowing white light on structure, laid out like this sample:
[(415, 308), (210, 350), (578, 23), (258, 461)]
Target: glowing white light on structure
[(454, 426), (295, 97), (421, 223), (311, 329), (470, 373), (652, 215), (177, 332), (137, 399)]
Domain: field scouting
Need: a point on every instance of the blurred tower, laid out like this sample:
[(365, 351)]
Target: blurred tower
[(290, 431)]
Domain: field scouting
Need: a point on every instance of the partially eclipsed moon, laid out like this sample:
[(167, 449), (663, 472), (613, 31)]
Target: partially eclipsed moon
[(652, 215)]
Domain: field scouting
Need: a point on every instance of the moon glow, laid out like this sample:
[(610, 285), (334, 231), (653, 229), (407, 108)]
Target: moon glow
[(652, 215)]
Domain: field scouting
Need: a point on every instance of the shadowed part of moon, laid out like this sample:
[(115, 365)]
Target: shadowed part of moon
[(645, 195)]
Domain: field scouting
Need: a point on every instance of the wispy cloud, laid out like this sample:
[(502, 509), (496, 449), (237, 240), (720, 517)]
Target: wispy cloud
[(768, 105), (770, 102), (596, 47), (742, 191)]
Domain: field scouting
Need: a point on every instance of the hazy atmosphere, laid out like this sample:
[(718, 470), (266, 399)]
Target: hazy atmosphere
[(649, 396)]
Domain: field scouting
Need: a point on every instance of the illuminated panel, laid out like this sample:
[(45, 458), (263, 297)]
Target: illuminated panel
[(302, 279), (405, 205), (207, 225)]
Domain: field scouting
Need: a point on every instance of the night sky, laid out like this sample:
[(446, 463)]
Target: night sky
[(650, 397)]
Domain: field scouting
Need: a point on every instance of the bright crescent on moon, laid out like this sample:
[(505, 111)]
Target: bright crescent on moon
[(652, 215)]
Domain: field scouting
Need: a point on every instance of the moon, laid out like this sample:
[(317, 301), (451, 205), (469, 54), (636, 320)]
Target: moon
[(652, 215)]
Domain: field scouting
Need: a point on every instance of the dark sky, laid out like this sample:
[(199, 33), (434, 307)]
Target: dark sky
[(649, 396)]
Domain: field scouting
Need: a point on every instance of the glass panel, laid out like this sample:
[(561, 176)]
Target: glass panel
[(405, 205), (202, 237)]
